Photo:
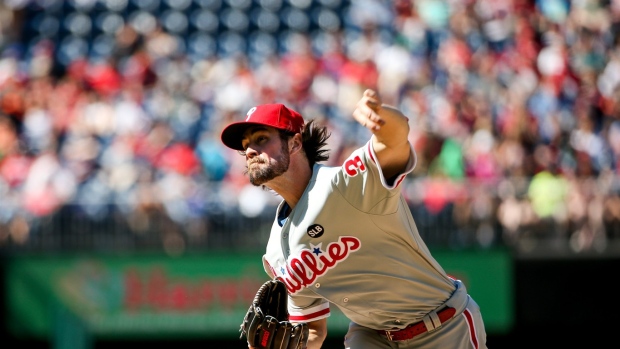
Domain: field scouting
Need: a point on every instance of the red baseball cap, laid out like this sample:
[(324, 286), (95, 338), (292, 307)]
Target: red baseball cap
[(273, 115)]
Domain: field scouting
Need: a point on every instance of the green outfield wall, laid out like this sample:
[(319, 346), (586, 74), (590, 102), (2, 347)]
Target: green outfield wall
[(193, 296)]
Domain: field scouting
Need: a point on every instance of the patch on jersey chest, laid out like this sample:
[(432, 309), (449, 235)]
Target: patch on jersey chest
[(303, 268), (315, 231)]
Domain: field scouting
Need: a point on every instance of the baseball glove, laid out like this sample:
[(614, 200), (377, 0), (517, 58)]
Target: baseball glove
[(266, 324)]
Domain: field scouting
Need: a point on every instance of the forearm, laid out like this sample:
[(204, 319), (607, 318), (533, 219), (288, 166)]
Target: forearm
[(390, 132), (317, 334), (314, 343), (395, 129)]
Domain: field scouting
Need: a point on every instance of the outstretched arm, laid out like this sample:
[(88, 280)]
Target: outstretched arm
[(390, 129)]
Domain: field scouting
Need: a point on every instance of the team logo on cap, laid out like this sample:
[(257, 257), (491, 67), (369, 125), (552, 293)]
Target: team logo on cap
[(315, 231), (249, 114)]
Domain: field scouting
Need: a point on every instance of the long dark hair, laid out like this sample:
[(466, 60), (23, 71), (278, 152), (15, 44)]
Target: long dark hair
[(314, 138)]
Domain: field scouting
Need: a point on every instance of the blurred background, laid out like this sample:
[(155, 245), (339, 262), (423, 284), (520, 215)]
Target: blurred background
[(124, 221)]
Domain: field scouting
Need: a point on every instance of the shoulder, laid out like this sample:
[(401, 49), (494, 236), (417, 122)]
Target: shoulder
[(320, 171)]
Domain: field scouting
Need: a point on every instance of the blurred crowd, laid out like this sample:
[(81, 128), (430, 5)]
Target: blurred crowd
[(514, 108)]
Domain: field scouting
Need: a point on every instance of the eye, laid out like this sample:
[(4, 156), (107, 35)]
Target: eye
[(244, 145), (254, 140)]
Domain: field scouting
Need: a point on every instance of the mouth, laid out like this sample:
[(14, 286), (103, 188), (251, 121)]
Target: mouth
[(253, 164)]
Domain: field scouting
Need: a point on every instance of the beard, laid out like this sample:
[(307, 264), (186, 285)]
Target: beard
[(263, 174)]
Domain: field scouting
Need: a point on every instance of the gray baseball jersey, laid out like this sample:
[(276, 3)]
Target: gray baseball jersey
[(351, 241)]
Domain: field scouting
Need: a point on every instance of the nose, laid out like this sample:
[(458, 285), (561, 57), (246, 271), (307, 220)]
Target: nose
[(250, 152)]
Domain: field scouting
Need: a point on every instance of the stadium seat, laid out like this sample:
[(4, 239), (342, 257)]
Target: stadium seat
[(239, 4), (231, 43), (205, 20), (50, 5), (174, 21), (266, 21), (78, 23), (71, 48), (146, 5), (201, 45), (81, 5), (270, 5), (102, 46), (326, 19), (260, 46), (295, 19), (179, 5), (115, 5), (212, 5), (235, 20), (332, 4), (143, 22), (300, 4), (45, 25), (109, 22)]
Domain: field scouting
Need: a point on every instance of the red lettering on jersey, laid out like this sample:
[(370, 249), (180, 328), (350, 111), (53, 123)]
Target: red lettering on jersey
[(351, 166), (307, 267)]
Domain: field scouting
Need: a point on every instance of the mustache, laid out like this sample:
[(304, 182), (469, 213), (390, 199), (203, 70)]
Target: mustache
[(250, 163), (254, 161)]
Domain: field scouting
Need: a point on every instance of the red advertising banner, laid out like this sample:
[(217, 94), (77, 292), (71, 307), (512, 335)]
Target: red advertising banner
[(202, 296)]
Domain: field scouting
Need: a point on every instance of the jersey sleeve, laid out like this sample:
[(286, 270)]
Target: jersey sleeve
[(268, 268), (304, 309), (394, 183), (361, 181)]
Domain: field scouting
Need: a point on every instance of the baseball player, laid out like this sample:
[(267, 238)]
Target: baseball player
[(344, 236)]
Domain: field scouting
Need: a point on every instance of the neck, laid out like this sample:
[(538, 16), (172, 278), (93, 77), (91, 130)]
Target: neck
[(292, 184)]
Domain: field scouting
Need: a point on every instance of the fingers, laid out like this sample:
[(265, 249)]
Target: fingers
[(370, 93), (367, 117), (367, 111), (371, 99)]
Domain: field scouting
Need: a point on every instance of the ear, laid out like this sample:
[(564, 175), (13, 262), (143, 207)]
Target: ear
[(295, 143)]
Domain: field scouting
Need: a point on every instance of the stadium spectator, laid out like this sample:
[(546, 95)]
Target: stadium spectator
[(498, 93)]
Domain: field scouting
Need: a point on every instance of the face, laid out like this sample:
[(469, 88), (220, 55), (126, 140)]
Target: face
[(266, 155)]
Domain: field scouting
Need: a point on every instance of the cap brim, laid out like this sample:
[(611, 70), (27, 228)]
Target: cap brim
[(233, 133)]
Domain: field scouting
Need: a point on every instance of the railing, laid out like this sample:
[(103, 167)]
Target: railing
[(449, 214)]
